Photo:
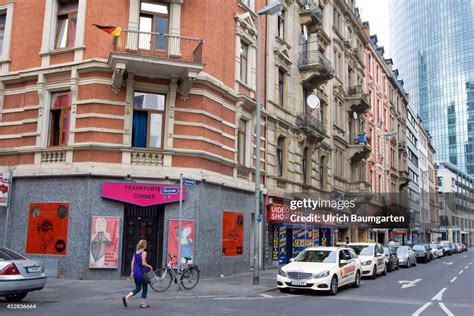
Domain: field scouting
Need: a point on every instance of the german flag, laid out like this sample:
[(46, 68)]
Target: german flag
[(114, 30)]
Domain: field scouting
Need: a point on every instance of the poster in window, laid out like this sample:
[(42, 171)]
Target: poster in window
[(186, 243), (5, 179), (104, 242), (47, 228), (232, 233), (304, 237)]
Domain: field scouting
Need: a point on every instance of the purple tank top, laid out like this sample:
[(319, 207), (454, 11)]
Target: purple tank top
[(138, 267)]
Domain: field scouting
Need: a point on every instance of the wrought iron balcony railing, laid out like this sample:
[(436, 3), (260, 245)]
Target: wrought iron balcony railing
[(311, 123), (314, 58), (313, 9), (160, 45)]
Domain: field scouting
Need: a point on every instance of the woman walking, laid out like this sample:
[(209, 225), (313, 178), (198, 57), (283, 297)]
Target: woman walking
[(139, 265)]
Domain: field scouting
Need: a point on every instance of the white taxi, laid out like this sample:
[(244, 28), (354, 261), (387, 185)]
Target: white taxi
[(372, 258), (321, 269)]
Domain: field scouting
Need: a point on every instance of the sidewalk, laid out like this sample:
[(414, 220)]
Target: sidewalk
[(63, 290)]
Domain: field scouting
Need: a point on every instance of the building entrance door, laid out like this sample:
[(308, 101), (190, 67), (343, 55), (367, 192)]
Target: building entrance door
[(142, 223)]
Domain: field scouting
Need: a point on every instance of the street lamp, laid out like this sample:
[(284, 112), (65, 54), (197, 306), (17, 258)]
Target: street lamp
[(271, 9), (386, 135)]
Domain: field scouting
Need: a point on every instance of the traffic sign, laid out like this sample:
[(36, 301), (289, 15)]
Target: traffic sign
[(189, 181)]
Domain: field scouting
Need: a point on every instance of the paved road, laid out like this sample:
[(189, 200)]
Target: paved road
[(444, 287)]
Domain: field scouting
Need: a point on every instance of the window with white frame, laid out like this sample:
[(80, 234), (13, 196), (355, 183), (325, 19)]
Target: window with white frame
[(66, 23), (242, 142), (280, 156), (306, 165), (60, 118), (281, 87), (248, 3), (154, 18), (3, 19), (281, 25), (148, 120), (6, 21), (244, 59)]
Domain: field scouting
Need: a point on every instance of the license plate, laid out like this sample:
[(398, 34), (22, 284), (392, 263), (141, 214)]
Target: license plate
[(298, 282), (33, 269)]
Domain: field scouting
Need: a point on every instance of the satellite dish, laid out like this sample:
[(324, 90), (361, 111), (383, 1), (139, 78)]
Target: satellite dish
[(305, 33), (313, 101), (354, 115)]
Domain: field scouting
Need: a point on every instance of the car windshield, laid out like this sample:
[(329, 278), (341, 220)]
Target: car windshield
[(363, 250), (419, 247), (7, 254), (401, 250), (321, 256)]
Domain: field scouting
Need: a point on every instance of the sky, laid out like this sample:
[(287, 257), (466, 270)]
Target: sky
[(377, 13)]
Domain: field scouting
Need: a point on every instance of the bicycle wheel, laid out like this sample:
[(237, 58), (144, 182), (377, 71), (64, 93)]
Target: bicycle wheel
[(163, 280), (190, 278)]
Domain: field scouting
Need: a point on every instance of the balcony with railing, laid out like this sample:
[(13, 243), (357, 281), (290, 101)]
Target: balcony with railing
[(360, 148), (155, 55), (315, 68), (311, 126), (356, 100), (359, 187), (311, 16)]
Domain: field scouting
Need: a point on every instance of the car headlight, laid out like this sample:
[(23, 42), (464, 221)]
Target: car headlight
[(367, 263), (321, 275), (282, 273)]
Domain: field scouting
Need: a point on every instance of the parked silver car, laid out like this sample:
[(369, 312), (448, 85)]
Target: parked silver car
[(19, 275), (406, 256), (437, 251)]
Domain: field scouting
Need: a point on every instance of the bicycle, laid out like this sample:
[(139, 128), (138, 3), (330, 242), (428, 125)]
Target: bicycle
[(188, 277)]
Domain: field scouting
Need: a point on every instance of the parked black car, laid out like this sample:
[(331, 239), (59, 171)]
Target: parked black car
[(422, 253), (448, 251), (392, 258)]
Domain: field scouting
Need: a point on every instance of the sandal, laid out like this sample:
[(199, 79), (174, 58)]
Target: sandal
[(124, 301), (144, 306)]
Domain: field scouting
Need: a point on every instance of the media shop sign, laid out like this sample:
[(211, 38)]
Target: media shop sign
[(142, 194)]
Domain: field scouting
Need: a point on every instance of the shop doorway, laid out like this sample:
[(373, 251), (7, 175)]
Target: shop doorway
[(142, 223)]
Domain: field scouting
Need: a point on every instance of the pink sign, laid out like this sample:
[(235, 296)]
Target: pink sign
[(142, 194)]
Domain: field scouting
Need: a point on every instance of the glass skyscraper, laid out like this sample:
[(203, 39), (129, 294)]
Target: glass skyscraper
[(432, 45)]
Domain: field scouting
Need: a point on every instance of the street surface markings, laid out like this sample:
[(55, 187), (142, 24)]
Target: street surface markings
[(445, 309), (266, 295), (460, 272), (421, 309), (439, 296), (453, 279), (448, 263), (406, 284), (239, 298)]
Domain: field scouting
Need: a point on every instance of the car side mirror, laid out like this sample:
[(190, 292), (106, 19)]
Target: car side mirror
[(292, 259), (342, 262)]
